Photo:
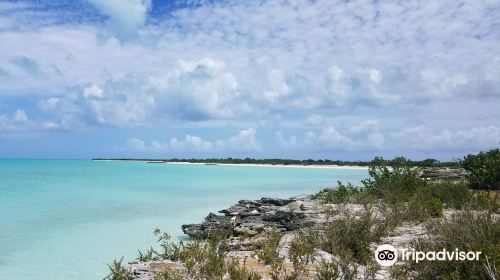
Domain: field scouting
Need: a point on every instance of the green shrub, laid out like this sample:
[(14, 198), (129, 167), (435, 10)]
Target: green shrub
[(465, 231), (434, 207), (169, 274), (484, 169), (392, 181), (237, 272), (171, 250), (485, 200), (453, 195), (149, 255), (336, 269), (268, 248), (302, 248), (342, 194), (118, 271), (352, 236)]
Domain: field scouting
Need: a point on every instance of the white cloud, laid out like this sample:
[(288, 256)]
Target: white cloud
[(425, 138), (331, 139), (89, 92), (136, 144), (324, 60), (126, 16), (18, 124), (20, 116), (245, 140), (193, 90)]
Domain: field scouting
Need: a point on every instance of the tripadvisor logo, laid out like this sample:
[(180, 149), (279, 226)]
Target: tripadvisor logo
[(387, 255)]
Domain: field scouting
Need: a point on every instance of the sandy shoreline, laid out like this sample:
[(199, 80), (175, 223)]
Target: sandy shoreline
[(274, 165), (246, 164)]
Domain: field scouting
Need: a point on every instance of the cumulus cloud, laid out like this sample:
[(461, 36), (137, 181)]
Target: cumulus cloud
[(245, 140), (193, 90), (18, 124), (299, 67), (422, 138)]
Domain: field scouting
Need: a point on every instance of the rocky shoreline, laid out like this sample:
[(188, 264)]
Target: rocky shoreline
[(250, 220)]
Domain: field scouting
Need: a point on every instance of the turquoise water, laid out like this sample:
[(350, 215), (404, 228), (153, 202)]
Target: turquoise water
[(66, 219)]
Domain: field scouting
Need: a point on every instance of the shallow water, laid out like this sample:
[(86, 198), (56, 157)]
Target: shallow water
[(66, 219)]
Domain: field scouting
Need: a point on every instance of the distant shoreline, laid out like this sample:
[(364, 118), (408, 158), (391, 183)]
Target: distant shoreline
[(325, 166)]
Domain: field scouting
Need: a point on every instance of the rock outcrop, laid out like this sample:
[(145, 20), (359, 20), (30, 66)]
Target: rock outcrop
[(251, 217), (444, 174), (249, 221)]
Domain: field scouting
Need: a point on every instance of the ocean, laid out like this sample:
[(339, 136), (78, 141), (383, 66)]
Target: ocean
[(67, 219)]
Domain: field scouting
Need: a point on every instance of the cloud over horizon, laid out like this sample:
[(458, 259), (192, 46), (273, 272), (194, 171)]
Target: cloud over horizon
[(321, 77)]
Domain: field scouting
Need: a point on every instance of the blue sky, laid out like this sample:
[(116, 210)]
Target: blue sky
[(269, 78)]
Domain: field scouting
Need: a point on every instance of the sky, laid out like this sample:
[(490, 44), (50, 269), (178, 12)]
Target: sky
[(296, 79)]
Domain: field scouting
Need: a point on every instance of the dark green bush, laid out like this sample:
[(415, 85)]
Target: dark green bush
[(484, 169), (392, 181)]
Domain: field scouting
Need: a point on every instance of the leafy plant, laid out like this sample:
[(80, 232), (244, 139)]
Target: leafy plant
[(484, 169), (341, 194), (118, 271), (268, 248), (352, 235), (169, 274), (302, 248), (453, 195), (466, 231), (392, 181), (149, 255), (341, 268), (237, 272)]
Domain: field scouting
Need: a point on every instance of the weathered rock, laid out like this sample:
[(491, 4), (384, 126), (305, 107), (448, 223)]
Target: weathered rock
[(148, 270), (250, 221), (249, 217), (275, 201), (444, 174), (212, 222)]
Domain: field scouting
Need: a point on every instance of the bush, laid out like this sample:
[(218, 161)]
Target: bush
[(453, 195), (392, 181), (467, 231), (237, 272), (118, 271), (149, 255), (342, 194), (302, 248), (485, 200), (484, 169), (268, 248), (341, 269), (352, 235), (169, 275)]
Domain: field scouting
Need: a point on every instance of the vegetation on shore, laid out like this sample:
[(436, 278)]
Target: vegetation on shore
[(392, 197), (306, 162)]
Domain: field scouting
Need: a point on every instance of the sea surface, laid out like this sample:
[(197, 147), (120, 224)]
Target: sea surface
[(66, 219)]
